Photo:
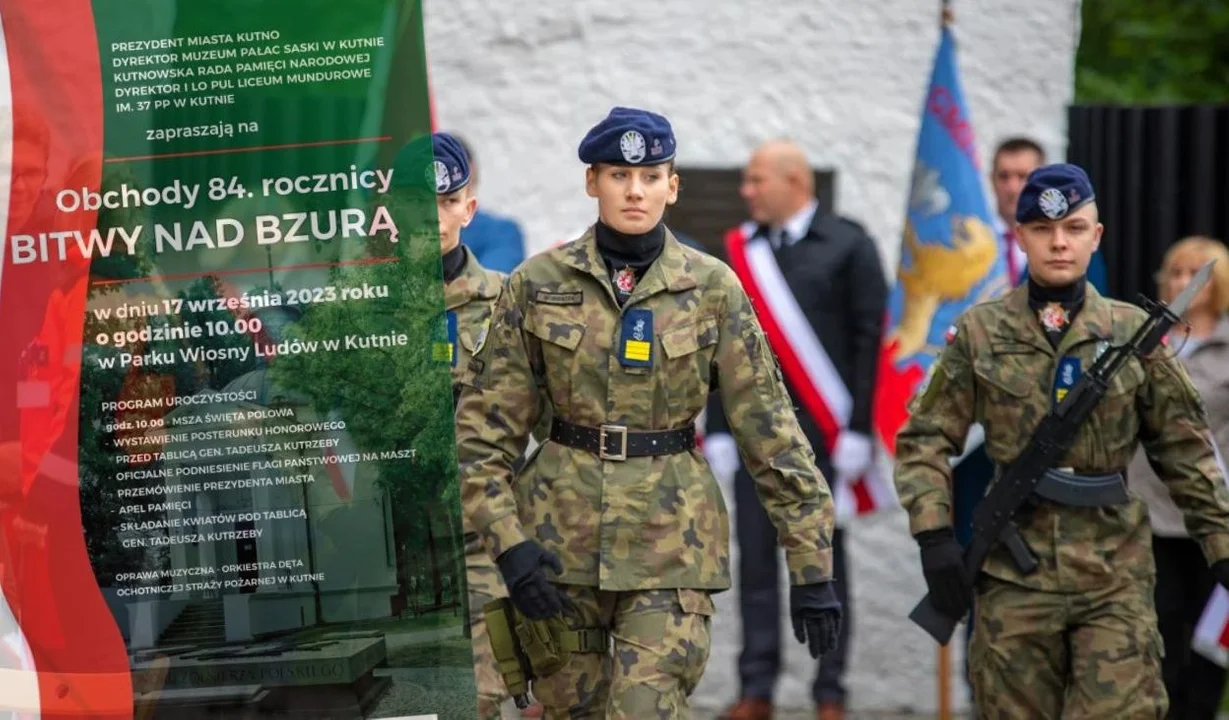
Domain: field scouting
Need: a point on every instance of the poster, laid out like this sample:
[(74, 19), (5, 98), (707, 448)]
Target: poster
[(227, 471)]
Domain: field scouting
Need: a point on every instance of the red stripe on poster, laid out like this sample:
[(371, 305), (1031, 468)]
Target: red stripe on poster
[(49, 583)]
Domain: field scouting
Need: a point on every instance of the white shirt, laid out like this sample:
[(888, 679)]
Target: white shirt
[(795, 228)]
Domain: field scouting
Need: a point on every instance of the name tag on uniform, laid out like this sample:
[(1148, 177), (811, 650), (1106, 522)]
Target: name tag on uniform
[(636, 345), (1064, 379)]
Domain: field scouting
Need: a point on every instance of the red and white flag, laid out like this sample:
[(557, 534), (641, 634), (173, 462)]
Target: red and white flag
[(1211, 637), (806, 365)]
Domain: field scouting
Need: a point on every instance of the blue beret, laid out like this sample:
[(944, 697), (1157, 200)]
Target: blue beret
[(628, 137), (441, 164), (1051, 192)]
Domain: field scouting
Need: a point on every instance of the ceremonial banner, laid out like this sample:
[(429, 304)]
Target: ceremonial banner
[(227, 466), (950, 257)]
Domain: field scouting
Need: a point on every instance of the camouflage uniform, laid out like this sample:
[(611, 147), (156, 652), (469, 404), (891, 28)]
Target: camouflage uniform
[(643, 541), (471, 296), (1078, 637)]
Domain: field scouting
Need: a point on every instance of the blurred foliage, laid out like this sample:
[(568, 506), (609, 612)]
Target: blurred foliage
[(1153, 52)]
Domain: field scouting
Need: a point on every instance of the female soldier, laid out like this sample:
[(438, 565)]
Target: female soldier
[(626, 331)]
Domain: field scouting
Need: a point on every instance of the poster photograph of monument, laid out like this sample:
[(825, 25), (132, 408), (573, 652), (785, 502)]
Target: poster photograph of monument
[(245, 268)]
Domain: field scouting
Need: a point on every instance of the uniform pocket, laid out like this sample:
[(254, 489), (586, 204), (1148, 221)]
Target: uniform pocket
[(1006, 381), (561, 336), (1117, 419), (687, 366), (695, 637), (1004, 407), (696, 602)]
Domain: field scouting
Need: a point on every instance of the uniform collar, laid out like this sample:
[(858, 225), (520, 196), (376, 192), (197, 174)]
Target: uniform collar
[(474, 283), (1095, 321), (671, 271)]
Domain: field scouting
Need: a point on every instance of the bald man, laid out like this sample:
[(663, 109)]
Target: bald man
[(835, 285)]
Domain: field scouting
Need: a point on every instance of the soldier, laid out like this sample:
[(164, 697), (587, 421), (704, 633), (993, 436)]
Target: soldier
[(470, 292), (626, 331), (1077, 637)]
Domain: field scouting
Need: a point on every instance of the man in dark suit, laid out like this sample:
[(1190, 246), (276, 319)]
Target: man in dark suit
[(832, 269)]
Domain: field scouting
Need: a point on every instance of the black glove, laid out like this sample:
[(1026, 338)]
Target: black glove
[(816, 615), (1220, 570), (531, 591), (943, 567)]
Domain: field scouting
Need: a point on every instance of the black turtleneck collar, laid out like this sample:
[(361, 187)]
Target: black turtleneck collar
[(621, 250), (454, 263), (1070, 296), (624, 254), (1056, 307)]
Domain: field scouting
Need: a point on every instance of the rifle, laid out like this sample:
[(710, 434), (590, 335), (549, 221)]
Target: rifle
[(993, 519)]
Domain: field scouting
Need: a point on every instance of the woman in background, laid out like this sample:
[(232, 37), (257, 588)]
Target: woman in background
[(1183, 581)]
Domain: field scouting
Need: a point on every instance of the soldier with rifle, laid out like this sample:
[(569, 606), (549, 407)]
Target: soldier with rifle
[(1067, 384)]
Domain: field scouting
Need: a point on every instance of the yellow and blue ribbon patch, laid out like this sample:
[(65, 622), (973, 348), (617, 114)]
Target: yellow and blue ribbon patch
[(637, 338)]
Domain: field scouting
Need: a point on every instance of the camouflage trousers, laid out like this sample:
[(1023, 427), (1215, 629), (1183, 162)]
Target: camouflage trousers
[(659, 645), (1037, 654), (485, 585)]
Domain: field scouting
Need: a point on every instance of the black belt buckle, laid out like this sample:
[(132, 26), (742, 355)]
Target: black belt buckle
[(604, 432)]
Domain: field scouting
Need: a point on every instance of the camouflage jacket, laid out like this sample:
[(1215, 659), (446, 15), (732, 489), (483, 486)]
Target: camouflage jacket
[(998, 369), (471, 297), (646, 522)]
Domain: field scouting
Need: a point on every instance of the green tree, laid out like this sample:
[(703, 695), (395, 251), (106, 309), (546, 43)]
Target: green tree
[(1153, 52)]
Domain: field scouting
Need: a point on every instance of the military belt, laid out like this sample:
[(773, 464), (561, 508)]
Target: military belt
[(1067, 488), (616, 442)]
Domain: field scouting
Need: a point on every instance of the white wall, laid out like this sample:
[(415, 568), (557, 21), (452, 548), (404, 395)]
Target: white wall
[(524, 81)]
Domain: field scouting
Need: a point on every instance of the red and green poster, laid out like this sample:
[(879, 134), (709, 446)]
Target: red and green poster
[(227, 471)]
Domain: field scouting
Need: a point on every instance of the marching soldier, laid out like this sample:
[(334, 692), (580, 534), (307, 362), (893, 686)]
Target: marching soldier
[(617, 518), (1078, 636), (470, 292)]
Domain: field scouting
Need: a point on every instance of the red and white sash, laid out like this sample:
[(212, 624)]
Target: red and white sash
[(805, 363)]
